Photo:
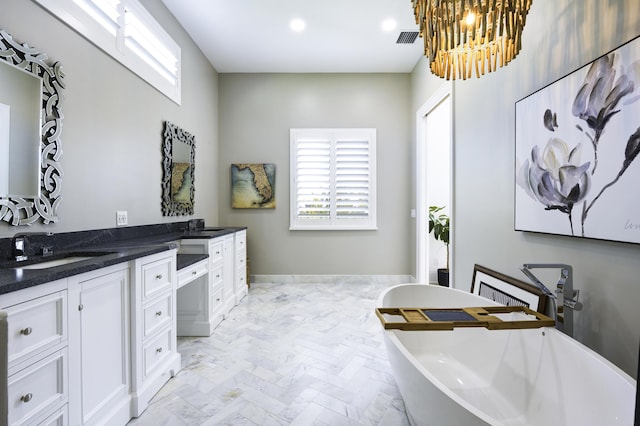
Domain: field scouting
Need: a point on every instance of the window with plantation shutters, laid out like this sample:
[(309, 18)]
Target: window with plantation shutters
[(333, 179)]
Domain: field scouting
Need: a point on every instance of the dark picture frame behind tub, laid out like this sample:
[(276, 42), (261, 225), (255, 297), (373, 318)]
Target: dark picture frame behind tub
[(506, 290)]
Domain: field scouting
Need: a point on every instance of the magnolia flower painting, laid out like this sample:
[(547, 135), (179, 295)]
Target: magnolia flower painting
[(576, 146)]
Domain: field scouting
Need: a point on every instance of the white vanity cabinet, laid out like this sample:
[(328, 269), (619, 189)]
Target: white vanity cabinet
[(99, 349), (228, 273), (155, 356), (240, 285), (36, 354), (92, 348), (201, 304)]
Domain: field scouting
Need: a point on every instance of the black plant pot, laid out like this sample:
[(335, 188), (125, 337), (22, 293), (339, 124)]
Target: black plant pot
[(443, 277)]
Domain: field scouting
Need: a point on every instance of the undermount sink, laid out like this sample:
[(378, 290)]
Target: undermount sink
[(60, 259), (56, 262)]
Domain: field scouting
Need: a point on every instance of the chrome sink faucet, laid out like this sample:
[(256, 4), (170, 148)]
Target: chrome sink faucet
[(19, 241), (563, 297)]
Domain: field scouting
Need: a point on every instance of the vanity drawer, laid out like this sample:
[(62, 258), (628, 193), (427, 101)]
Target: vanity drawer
[(192, 272), (157, 350), (215, 250), (36, 325), (156, 277), (241, 240), (216, 276), (217, 300), (37, 389), (157, 315), (58, 418), (241, 274)]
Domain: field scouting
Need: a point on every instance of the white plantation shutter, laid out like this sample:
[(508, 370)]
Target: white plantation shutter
[(105, 12), (352, 178), (313, 186), (333, 179), (148, 41), (125, 30)]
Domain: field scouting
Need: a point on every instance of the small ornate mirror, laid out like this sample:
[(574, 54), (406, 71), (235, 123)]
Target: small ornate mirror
[(178, 161), (30, 127)]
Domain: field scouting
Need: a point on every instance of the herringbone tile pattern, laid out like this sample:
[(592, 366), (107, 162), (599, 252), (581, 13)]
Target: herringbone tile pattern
[(289, 354)]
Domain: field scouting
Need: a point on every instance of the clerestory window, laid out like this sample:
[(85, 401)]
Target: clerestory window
[(126, 31)]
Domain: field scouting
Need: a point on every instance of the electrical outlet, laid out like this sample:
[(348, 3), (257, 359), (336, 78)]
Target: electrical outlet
[(121, 218)]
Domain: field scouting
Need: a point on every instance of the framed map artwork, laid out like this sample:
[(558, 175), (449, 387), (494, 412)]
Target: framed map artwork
[(253, 186)]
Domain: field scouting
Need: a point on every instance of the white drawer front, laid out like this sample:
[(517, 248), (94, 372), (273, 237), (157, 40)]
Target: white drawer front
[(157, 315), (156, 277), (241, 240), (36, 325), (241, 260), (192, 272), (217, 300), (37, 388), (59, 418), (216, 276), (156, 350), (215, 250), (241, 274)]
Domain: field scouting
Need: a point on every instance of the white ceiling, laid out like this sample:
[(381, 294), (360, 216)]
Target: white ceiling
[(239, 36)]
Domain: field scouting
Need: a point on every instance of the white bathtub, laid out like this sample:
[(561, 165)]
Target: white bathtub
[(475, 376)]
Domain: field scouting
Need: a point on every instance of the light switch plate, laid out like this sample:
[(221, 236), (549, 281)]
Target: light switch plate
[(121, 218)]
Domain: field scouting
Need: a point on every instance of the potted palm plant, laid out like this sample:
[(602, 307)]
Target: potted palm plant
[(439, 225)]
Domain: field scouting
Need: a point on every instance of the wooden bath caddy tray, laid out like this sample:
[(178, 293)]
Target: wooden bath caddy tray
[(448, 319)]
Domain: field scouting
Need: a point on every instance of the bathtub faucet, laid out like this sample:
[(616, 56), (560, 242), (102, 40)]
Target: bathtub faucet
[(563, 297)]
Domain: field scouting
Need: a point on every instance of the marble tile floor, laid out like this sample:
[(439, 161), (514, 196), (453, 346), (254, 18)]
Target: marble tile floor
[(288, 354)]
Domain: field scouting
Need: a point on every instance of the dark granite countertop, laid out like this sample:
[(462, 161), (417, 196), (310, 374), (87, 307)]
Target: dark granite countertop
[(104, 247)]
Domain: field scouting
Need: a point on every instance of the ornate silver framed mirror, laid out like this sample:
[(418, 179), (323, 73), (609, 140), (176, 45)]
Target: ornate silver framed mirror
[(30, 127), (178, 162)]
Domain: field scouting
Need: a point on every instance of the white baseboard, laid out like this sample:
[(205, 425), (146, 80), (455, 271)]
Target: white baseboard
[(330, 279)]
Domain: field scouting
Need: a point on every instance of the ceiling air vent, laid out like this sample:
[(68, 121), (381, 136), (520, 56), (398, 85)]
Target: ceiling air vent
[(407, 37)]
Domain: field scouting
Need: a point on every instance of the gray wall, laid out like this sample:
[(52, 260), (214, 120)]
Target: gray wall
[(112, 127), (560, 37), (256, 113)]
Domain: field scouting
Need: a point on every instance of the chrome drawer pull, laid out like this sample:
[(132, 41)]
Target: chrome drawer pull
[(26, 331), (26, 398), (159, 277), (159, 313), (158, 350)]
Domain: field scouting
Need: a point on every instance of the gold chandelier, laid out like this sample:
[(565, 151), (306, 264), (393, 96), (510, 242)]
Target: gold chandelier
[(462, 37)]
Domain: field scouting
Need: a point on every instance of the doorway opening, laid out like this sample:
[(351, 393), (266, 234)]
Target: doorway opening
[(434, 176)]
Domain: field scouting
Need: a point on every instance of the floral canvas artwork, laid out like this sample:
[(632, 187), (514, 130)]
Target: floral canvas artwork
[(577, 142)]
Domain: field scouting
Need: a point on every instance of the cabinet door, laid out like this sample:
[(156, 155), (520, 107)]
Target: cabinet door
[(100, 350)]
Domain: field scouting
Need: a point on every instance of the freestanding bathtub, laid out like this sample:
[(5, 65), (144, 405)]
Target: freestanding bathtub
[(475, 376)]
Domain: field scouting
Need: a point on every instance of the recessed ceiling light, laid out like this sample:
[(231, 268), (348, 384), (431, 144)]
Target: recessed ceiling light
[(389, 25), (297, 25)]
